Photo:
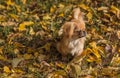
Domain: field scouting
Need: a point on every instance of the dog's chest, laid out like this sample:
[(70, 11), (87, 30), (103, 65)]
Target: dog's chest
[(76, 46)]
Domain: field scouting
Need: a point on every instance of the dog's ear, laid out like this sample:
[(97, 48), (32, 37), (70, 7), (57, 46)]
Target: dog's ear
[(68, 29), (76, 13)]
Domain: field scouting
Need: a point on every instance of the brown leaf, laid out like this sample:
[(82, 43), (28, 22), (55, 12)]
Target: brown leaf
[(16, 61)]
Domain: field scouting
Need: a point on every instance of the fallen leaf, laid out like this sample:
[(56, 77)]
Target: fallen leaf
[(6, 69), (52, 9), (23, 25), (90, 59), (14, 16), (115, 10), (75, 70), (93, 44), (115, 61), (1, 49), (31, 32), (2, 18), (119, 50), (61, 15), (18, 8), (9, 23), (41, 57), (96, 53), (16, 61), (102, 8), (47, 46), (43, 24), (18, 45), (10, 2), (61, 65), (2, 7), (2, 58), (46, 17), (85, 7), (27, 56), (89, 16), (61, 5), (118, 34), (24, 1), (57, 74)]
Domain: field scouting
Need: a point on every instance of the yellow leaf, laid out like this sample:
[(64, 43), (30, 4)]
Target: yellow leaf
[(115, 10), (61, 15), (110, 29), (28, 23), (16, 51), (27, 56), (96, 53), (36, 54), (59, 73), (18, 8), (119, 50), (9, 2), (2, 6), (93, 44), (36, 16), (23, 1), (1, 49), (52, 9), (17, 71), (61, 5), (89, 16), (90, 59), (43, 24), (24, 24), (47, 46), (22, 27), (31, 32), (60, 65), (107, 15), (6, 69), (46, 17), (83, 6), (2, 18), (2, 58), (102, 8), (14, 16)]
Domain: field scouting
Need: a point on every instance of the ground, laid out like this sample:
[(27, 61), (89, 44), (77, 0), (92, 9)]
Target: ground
[(29, 33)]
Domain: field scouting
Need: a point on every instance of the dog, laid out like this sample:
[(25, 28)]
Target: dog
[(73, 35)]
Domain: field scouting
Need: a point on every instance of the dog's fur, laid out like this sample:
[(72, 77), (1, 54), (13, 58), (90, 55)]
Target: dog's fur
[(73, 35)]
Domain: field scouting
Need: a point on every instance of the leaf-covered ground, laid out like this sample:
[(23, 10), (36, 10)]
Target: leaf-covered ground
[(28, 35)]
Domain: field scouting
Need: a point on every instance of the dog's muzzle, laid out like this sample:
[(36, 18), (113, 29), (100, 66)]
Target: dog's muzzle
[(82, 34)]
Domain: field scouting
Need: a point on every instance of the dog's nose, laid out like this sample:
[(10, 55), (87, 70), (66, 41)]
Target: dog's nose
[(82, 33)]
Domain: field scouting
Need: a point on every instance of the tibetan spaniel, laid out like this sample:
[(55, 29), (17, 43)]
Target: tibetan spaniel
[(73, 35)]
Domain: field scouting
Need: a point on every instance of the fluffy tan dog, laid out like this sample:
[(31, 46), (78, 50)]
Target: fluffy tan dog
[(73, 35)]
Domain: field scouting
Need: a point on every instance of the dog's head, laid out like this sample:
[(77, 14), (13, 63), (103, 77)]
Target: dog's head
[(72, 30), (75, 28)]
